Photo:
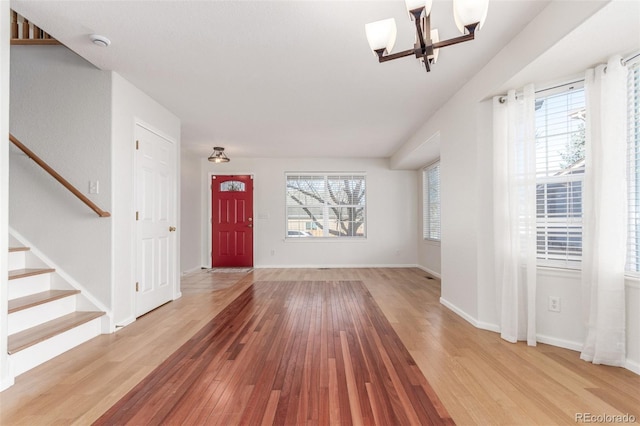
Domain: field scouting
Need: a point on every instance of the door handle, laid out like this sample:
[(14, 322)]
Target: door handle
[(172, 229), (250, 225)]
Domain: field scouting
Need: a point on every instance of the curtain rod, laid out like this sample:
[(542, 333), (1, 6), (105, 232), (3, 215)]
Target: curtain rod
[(628, 59), (503, 98), (623, 61)]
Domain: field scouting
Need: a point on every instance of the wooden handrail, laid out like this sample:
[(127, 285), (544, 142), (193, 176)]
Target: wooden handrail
[(59, 178)]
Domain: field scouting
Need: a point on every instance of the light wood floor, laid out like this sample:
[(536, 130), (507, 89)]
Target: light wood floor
[(479, 378)]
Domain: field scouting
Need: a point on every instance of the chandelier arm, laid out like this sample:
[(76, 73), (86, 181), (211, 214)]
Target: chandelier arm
[(467, 37), (392, 56)]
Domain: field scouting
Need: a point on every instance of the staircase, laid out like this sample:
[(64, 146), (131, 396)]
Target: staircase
[(43, 318)]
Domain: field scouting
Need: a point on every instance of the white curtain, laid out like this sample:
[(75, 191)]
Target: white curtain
[(514, 191), (604, 213)]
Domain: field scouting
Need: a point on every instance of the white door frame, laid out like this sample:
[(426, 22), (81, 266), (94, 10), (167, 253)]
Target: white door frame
[(210, 175)]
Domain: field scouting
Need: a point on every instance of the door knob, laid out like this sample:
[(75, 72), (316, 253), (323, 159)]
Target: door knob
[(250, 225), (172, 229)]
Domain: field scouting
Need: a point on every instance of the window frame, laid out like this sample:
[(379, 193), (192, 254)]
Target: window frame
[(632, 269), (326, 206), (427, 234)]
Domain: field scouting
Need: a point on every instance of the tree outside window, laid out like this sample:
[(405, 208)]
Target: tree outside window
[(326, 205)]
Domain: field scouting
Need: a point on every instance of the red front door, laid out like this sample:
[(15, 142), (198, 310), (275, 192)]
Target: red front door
[(232, 221)]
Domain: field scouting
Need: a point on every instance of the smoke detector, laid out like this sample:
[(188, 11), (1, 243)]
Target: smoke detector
[(99, 40)]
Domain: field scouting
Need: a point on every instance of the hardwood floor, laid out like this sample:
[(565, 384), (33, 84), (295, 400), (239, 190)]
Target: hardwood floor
[(288, 352), (479, 378)]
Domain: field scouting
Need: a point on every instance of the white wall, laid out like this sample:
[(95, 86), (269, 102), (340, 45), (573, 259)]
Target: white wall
[(6, 379), (391, 214), (61, 110), (131, 106), (190, 208), (545, 51)]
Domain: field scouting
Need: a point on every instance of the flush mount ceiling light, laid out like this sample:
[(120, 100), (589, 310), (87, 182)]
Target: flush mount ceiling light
[(99, 40), (469, 16), (218, 155)]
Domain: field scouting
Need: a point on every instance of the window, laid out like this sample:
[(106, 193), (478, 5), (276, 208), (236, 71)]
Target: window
[(560, 139), (633, 248), (431, 202), (232, 186), (326, 205)]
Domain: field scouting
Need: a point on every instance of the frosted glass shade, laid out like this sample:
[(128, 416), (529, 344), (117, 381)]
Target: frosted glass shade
[(467, 12), (416, 4), (381, 34)]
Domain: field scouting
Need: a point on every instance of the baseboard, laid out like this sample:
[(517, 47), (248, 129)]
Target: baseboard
[(471, 320), (429, 271), (7, 382), (191, 271), (488, 326), (125, 322), (336, 266), (632, 366), (561, 343)]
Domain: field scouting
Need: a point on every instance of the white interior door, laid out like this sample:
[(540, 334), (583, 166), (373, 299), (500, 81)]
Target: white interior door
[(156, 215)]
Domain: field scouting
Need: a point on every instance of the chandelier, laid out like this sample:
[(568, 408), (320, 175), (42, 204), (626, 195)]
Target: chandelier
[(469, 15)]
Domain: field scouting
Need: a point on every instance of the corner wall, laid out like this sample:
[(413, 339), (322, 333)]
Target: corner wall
[(131, 106)]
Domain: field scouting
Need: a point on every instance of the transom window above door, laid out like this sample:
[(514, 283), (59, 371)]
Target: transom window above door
[(232, 186)]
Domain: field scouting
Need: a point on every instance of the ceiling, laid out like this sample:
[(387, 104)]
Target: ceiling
[(279, 78)]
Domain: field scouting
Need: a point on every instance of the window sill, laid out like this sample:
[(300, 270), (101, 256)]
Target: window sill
[(632, 281), (555, 271)]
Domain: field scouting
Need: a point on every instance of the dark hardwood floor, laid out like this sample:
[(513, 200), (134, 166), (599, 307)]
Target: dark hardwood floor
[(288, 353)]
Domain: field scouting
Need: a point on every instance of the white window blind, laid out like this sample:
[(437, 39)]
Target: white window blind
[(633, 249), (431, 202), (560, 138), (326, 205)]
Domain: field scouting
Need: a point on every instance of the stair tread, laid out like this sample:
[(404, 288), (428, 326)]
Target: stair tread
[(12, 249), (36, 299), (27, 272), (34, 335)]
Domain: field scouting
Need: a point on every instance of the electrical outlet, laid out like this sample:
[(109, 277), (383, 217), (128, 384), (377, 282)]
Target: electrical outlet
[(554, 303)]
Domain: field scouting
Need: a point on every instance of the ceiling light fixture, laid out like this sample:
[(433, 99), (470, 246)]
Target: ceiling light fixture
[(218, 155), (99, 40), (469, 16)]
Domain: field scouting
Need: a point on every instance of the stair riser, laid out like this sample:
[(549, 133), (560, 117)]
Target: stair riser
[(17, 260), (21, 287), (35, 355), (40, 314)]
